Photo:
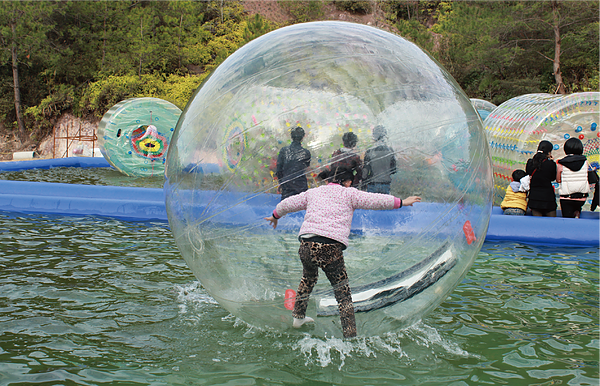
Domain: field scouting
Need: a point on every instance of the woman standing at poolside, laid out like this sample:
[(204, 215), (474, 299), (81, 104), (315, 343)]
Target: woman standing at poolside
[(572, 174), (542, 169)]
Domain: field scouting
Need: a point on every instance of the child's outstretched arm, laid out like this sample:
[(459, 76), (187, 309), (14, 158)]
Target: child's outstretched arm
[(272, 220), (378, 201), (291, 204), (408, 201)]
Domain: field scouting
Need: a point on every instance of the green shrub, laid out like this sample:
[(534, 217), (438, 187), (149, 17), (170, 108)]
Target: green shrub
[(304, 11), (257, 26), (60, 99), (415, 32), (101, 95), (360, 7), (591, 84)]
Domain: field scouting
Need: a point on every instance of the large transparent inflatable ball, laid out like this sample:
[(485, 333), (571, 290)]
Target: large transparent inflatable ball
[(134, 135), (516, 127), (329, 78)]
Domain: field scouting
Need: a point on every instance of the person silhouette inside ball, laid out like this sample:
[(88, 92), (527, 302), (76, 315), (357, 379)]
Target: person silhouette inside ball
[(324, 235), (292, 162), (348, 158), (379, 164)]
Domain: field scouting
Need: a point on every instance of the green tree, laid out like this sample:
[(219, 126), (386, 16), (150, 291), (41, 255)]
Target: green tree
[(472, 46), (567, 33), (257, 26), (499, 50), (142, 34), (183, 25), (23, 29), (579, 60), (115, 55)]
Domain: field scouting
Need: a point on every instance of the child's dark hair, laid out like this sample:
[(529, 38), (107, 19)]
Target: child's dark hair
[(544, 148), (349, 139), (339, 175), (518, 174), (573, 146)]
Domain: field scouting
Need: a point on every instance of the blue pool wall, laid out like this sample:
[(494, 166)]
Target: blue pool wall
[(148, 204), (78, 162)]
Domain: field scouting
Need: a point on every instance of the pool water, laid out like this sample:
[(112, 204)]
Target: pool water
[(86, 176), (91, 301)]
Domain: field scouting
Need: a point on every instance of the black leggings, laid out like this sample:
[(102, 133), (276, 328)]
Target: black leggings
[(571, 208), (330, 258)]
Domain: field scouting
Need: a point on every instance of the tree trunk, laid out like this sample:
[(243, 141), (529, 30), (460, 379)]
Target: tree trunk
[(560, 86), (179, 39), (142, 44), (104, 37), (15, 69)]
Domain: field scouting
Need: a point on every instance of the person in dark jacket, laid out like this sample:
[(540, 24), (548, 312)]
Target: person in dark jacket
[(542, 170), (379, 164), (347, 158), (292, 162), (596, 198)]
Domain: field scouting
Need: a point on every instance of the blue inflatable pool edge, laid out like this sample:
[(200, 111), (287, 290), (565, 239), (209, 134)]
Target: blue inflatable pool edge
[(81, 162), (127, 203), (584, 231), (148, 204)]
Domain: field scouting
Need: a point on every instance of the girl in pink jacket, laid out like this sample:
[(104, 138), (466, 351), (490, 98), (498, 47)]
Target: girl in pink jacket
[(324, 235)]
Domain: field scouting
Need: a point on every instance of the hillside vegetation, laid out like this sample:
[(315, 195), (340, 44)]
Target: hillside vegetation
[(83, 57)]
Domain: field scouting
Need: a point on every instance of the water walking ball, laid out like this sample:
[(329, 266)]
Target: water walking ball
[(516, 127), (134, 135), (329, 78)]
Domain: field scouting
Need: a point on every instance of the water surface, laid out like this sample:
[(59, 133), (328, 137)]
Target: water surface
[(86, 176), (90, 301)]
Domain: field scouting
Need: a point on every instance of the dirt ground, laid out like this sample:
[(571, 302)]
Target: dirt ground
[(70, 133), (10, 144)]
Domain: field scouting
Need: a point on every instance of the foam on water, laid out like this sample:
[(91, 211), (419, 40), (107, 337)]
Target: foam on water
[(329, 351), (190, 297)]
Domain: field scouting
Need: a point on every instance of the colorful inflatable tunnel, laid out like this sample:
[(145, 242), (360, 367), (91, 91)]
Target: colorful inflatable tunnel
[(515, 128)]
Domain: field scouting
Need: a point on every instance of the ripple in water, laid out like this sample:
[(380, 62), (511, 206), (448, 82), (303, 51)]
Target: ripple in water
[(96, 301), (86, 176)]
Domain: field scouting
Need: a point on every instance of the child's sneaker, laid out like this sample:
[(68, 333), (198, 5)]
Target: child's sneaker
[(299, 322)]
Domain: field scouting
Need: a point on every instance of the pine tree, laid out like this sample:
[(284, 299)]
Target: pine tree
[(23, 29)]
